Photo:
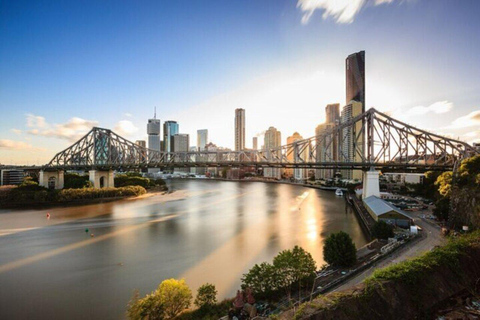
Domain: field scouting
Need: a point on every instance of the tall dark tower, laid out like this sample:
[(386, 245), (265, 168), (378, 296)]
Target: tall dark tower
[(355, 76)]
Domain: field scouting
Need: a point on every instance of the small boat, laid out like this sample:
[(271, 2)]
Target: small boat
[(339, 192)]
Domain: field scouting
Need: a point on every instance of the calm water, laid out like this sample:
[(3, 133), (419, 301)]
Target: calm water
[(215, 234)]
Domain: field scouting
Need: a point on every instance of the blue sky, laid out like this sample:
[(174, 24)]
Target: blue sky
[(68, 65)]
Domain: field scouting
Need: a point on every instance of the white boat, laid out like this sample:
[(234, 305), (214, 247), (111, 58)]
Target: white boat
[(339, 192)]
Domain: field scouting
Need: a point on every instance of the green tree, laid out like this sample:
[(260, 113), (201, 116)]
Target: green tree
[(206, 295), (444, 184), (150, 307), (262, 279), (339, 250), (175, 296), (293, 267), (382, 230)]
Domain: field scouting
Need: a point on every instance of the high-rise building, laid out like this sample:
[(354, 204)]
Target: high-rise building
[(181, 142), (170, 128), (202, 139), (239, 129), (355, 78), (353, 139), (272, 140), (294, 155), (153, 131), (143, 154), (332, 112), (255, 143), (326, 144), (141, 143)]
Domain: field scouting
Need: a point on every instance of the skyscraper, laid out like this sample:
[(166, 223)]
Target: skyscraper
[(332, 112), (181, 142), (272, 140), (353, 139), (153, 131), (355, 78), (294, 155), (170, 128), (202, 139), (239, 129), (255, 143)]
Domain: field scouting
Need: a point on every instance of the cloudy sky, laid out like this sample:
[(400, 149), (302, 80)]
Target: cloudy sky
[(69, 65)]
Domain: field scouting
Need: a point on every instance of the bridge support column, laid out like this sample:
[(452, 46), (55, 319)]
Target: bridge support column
[(51, 179), (371, 184), (101, 179)]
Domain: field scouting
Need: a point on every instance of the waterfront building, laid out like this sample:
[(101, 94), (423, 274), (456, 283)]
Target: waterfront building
[(202, 140), (143, 154), (11, 177), (353, 140), (355, 78), (181, 143), (272, 140), (294, 155), (327, 146), (170, 128), (239, 129)]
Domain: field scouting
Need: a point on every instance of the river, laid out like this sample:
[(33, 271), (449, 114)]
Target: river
[(204, 231)]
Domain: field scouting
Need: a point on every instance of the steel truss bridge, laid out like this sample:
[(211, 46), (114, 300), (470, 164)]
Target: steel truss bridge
[(370, 140)]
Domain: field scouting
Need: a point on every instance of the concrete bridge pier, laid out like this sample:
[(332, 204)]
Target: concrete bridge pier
[(371, 184), (101, 179), (51, 179)]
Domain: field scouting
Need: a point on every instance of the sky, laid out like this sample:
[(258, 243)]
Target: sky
[(66, 66)]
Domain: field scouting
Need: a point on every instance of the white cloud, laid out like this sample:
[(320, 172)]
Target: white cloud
[(125, 128), (72, 130), (470, 120), (437, 107), (34, 121), (343, 11), (128, 115), (17, 145), (16, 131)]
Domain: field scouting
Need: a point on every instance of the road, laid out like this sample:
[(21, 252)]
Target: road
[(432, 237)]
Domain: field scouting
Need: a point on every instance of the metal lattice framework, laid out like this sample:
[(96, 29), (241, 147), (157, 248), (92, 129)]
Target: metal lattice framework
[(369, 140)]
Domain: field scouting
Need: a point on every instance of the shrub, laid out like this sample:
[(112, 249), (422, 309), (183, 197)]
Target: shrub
[(92, 193), (339, 250)]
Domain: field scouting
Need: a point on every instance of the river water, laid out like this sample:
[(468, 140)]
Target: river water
[(205, 231)]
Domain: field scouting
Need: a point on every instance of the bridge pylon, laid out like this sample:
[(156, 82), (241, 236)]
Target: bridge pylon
[(371, 183), (51, 179), (101, 179)]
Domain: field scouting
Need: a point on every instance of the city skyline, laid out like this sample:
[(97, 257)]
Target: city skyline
[(46, 109)]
